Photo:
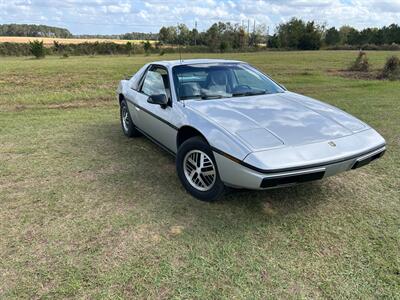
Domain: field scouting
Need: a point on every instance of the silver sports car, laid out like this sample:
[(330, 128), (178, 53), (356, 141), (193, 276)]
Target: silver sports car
[(228, 124)]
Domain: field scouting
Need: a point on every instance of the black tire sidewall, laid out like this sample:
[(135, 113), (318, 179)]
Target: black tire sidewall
[(197, 143), (132, 131)]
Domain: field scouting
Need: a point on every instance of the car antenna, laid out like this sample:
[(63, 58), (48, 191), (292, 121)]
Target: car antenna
[(180, 58), (179, 44)]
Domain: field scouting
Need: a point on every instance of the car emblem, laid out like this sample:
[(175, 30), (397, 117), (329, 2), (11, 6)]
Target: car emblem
[(332, 144)]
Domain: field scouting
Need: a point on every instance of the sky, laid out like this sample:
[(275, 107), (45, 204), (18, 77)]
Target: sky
[(121, 16)]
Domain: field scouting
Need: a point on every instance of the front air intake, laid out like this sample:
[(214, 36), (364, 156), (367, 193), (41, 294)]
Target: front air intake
[(366, 161), (292, 179)]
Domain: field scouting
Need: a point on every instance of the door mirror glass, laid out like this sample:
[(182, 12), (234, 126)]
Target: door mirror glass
[(160, 99)]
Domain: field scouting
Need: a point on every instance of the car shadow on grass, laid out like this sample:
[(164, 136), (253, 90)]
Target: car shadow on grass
[(148, 172)]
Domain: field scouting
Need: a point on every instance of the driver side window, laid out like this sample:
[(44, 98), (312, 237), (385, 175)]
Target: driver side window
[(156, 82), (153, 84)]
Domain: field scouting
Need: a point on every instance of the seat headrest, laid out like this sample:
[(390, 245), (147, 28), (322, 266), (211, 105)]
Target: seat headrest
[(218, 77), (189, 89)]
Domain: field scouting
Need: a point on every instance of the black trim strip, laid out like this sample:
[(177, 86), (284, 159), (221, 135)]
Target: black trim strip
[(294, 168), (153, 115)]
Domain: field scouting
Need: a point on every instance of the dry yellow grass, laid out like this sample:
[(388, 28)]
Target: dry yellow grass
[(49, 41)]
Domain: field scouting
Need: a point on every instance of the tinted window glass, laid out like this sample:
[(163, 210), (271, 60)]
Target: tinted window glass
[(224, 80), (153, 84)]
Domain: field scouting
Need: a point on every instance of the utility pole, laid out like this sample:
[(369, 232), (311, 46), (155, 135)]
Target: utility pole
[(195, 33), (179, 42), (254, 33), (248, 31)]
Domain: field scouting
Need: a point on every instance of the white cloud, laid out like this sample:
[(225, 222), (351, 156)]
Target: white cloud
[(123, 8)]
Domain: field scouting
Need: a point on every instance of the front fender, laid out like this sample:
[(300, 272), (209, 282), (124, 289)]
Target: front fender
[(218, 138), (122, 87)]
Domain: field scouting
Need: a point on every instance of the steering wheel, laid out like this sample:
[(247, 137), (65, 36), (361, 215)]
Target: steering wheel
[(242, 87)]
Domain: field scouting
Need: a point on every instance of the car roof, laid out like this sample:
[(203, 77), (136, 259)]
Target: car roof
[(172, 63)]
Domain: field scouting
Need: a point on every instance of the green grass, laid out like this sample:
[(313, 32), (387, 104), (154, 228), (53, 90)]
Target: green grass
[(88, 213)]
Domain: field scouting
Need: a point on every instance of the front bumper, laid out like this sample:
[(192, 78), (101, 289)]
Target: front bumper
[(238, 175)]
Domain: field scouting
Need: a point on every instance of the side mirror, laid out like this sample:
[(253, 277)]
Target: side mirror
[(158, 99)]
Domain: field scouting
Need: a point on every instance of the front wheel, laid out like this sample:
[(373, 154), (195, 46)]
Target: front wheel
[(127, 125), (198, 171)]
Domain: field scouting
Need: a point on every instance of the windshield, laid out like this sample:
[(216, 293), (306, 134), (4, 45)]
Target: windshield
[(224, 80)]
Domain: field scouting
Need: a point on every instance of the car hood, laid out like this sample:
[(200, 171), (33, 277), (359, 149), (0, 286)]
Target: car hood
[(276, 120)]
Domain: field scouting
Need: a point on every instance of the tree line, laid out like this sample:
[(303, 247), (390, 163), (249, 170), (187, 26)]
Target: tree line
[(32, 30), (297, 34), (294, 34), (125, 36), (218, 37)]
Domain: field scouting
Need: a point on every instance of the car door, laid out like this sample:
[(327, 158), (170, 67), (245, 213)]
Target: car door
[(133, 95), (154, 120)]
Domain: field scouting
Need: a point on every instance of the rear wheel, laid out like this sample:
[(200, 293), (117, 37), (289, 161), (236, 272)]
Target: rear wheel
[(127, 125), (198, 171)]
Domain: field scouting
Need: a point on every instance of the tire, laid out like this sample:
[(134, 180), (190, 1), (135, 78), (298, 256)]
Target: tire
[(197, 170), (128, 128)]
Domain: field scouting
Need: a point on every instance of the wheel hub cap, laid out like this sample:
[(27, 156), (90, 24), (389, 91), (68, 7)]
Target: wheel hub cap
[(125, 118), (199, 170)]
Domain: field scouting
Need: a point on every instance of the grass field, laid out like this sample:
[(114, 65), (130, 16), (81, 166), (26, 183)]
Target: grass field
[(49, 41), (88, 213)]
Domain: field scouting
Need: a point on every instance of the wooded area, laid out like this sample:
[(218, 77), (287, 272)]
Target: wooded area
[(32, 30), (221, 37), (295, 34)]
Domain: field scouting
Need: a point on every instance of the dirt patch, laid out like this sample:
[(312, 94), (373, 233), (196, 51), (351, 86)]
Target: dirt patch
[(268, 209), (371, 75), (97, 102), (176, 230), (93, 175)]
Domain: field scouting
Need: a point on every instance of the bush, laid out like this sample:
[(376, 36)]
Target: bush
[(147, 47), (384, 47), (110, 48), (37, 49), (361, 63), (391, 70), (14, 49), (129, 48)]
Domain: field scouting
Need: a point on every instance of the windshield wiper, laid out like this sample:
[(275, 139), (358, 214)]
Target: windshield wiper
[(249, 93), (189, 97), (205, 97)]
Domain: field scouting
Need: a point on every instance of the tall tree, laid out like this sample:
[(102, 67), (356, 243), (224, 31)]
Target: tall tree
[(332, 36), (296, 34)]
